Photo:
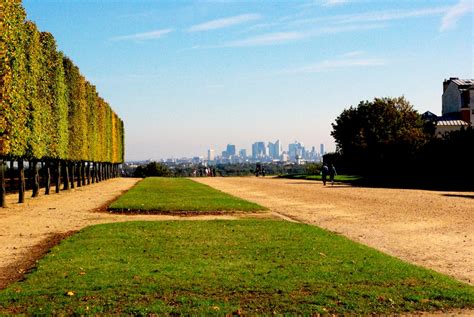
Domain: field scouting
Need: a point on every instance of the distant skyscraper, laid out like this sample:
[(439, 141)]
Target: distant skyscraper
[(278, 149), (322, 150), (258, 150), (210, 155), (230, 150), (296, 150), (243, 153), (274, 149)]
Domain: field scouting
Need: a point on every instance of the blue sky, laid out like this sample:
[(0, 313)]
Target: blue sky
[(189, 75)]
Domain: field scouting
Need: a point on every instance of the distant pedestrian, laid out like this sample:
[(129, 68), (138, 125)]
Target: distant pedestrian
[(332, 173), (324, 173)]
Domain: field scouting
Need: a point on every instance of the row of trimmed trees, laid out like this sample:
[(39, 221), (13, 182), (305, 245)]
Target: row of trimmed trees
[(49, 112)]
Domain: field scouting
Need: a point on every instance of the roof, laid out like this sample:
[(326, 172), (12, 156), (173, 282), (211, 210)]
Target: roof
[(452, 123), (463, 82)]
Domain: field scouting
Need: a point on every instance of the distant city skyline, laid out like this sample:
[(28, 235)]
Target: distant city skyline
[(266, 149), (189, 75)]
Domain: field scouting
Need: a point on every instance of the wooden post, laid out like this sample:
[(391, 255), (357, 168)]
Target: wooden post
[(47, 174), (3, 190), (21, 185)]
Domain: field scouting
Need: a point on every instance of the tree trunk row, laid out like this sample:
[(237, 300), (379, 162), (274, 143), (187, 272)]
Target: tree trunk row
[(67, 173)]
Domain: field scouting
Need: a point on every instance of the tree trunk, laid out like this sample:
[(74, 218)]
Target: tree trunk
[(11, 175), (21, 185), (34, 178), (58, 176), (93, 172), (99, 172), (3, 190), (79, 174), (88, 173), (47, 184), (66, 175), (83, 174), (73, 167)]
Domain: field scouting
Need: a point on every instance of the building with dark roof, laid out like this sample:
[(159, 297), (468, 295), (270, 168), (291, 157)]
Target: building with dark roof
[(458, 99)]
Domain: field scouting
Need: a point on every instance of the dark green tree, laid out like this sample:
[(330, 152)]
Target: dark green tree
[(152, 169), (379, 136)]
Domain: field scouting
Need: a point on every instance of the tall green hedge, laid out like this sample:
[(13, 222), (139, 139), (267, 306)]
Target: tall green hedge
[(48, 110)]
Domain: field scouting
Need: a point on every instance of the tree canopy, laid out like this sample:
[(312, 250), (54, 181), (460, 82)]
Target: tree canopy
[(377, 134), (48, 110)]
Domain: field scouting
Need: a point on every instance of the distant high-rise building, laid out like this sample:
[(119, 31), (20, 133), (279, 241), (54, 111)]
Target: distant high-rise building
[(296, 150), (243, 153), (274, 149), (230, 150), (210, 155), (258, 150), (322, 150)]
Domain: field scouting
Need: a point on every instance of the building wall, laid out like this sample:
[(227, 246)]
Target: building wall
[(471, 105), (442, 130), (451, 99)]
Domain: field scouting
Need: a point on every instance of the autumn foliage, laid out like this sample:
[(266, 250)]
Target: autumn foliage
[(48, 110)]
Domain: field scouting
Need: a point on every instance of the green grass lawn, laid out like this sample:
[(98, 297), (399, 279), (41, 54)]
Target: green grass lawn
[(203, 267), (171, 195)]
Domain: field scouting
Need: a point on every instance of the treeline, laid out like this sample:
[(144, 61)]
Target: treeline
[(48, 111), (224, 170), (389, 143)]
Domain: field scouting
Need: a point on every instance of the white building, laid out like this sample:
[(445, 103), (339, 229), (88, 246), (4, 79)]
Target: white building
[(458, 99), (210, 155)]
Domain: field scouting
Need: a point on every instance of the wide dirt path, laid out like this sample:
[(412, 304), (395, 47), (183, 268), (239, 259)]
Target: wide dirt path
[(28, 230), (430, 228)]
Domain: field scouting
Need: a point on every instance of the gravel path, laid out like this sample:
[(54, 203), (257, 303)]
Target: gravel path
[(433, 229)]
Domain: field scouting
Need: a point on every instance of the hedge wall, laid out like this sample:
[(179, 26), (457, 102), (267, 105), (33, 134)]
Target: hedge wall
[(48, 110)]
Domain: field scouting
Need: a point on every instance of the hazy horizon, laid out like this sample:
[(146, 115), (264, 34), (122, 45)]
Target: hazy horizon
[(192, 75)]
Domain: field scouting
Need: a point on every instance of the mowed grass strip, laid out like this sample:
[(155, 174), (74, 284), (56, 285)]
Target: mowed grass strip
[(171, 195), (245, 266)]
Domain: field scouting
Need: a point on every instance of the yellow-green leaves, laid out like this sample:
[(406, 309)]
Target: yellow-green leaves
[(47, 108)]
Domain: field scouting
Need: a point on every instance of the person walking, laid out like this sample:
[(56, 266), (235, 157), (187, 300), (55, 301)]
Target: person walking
[(324, 173), (332, 173)]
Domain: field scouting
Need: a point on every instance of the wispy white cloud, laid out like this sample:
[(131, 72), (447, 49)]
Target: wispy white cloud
[(268, 39), (334, 64), (325, 3), (353, 54), (454, 13), (152, 35), (225, 22), (370, 16), (330, 3), (287, 37), (390, 15)]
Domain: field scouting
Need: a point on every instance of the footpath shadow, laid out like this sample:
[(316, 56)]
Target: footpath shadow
[(399, 182), (416, 183), (459, 196)]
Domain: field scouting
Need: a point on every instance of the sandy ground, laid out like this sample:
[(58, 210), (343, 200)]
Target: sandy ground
[(433, 229), (28, 230)]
